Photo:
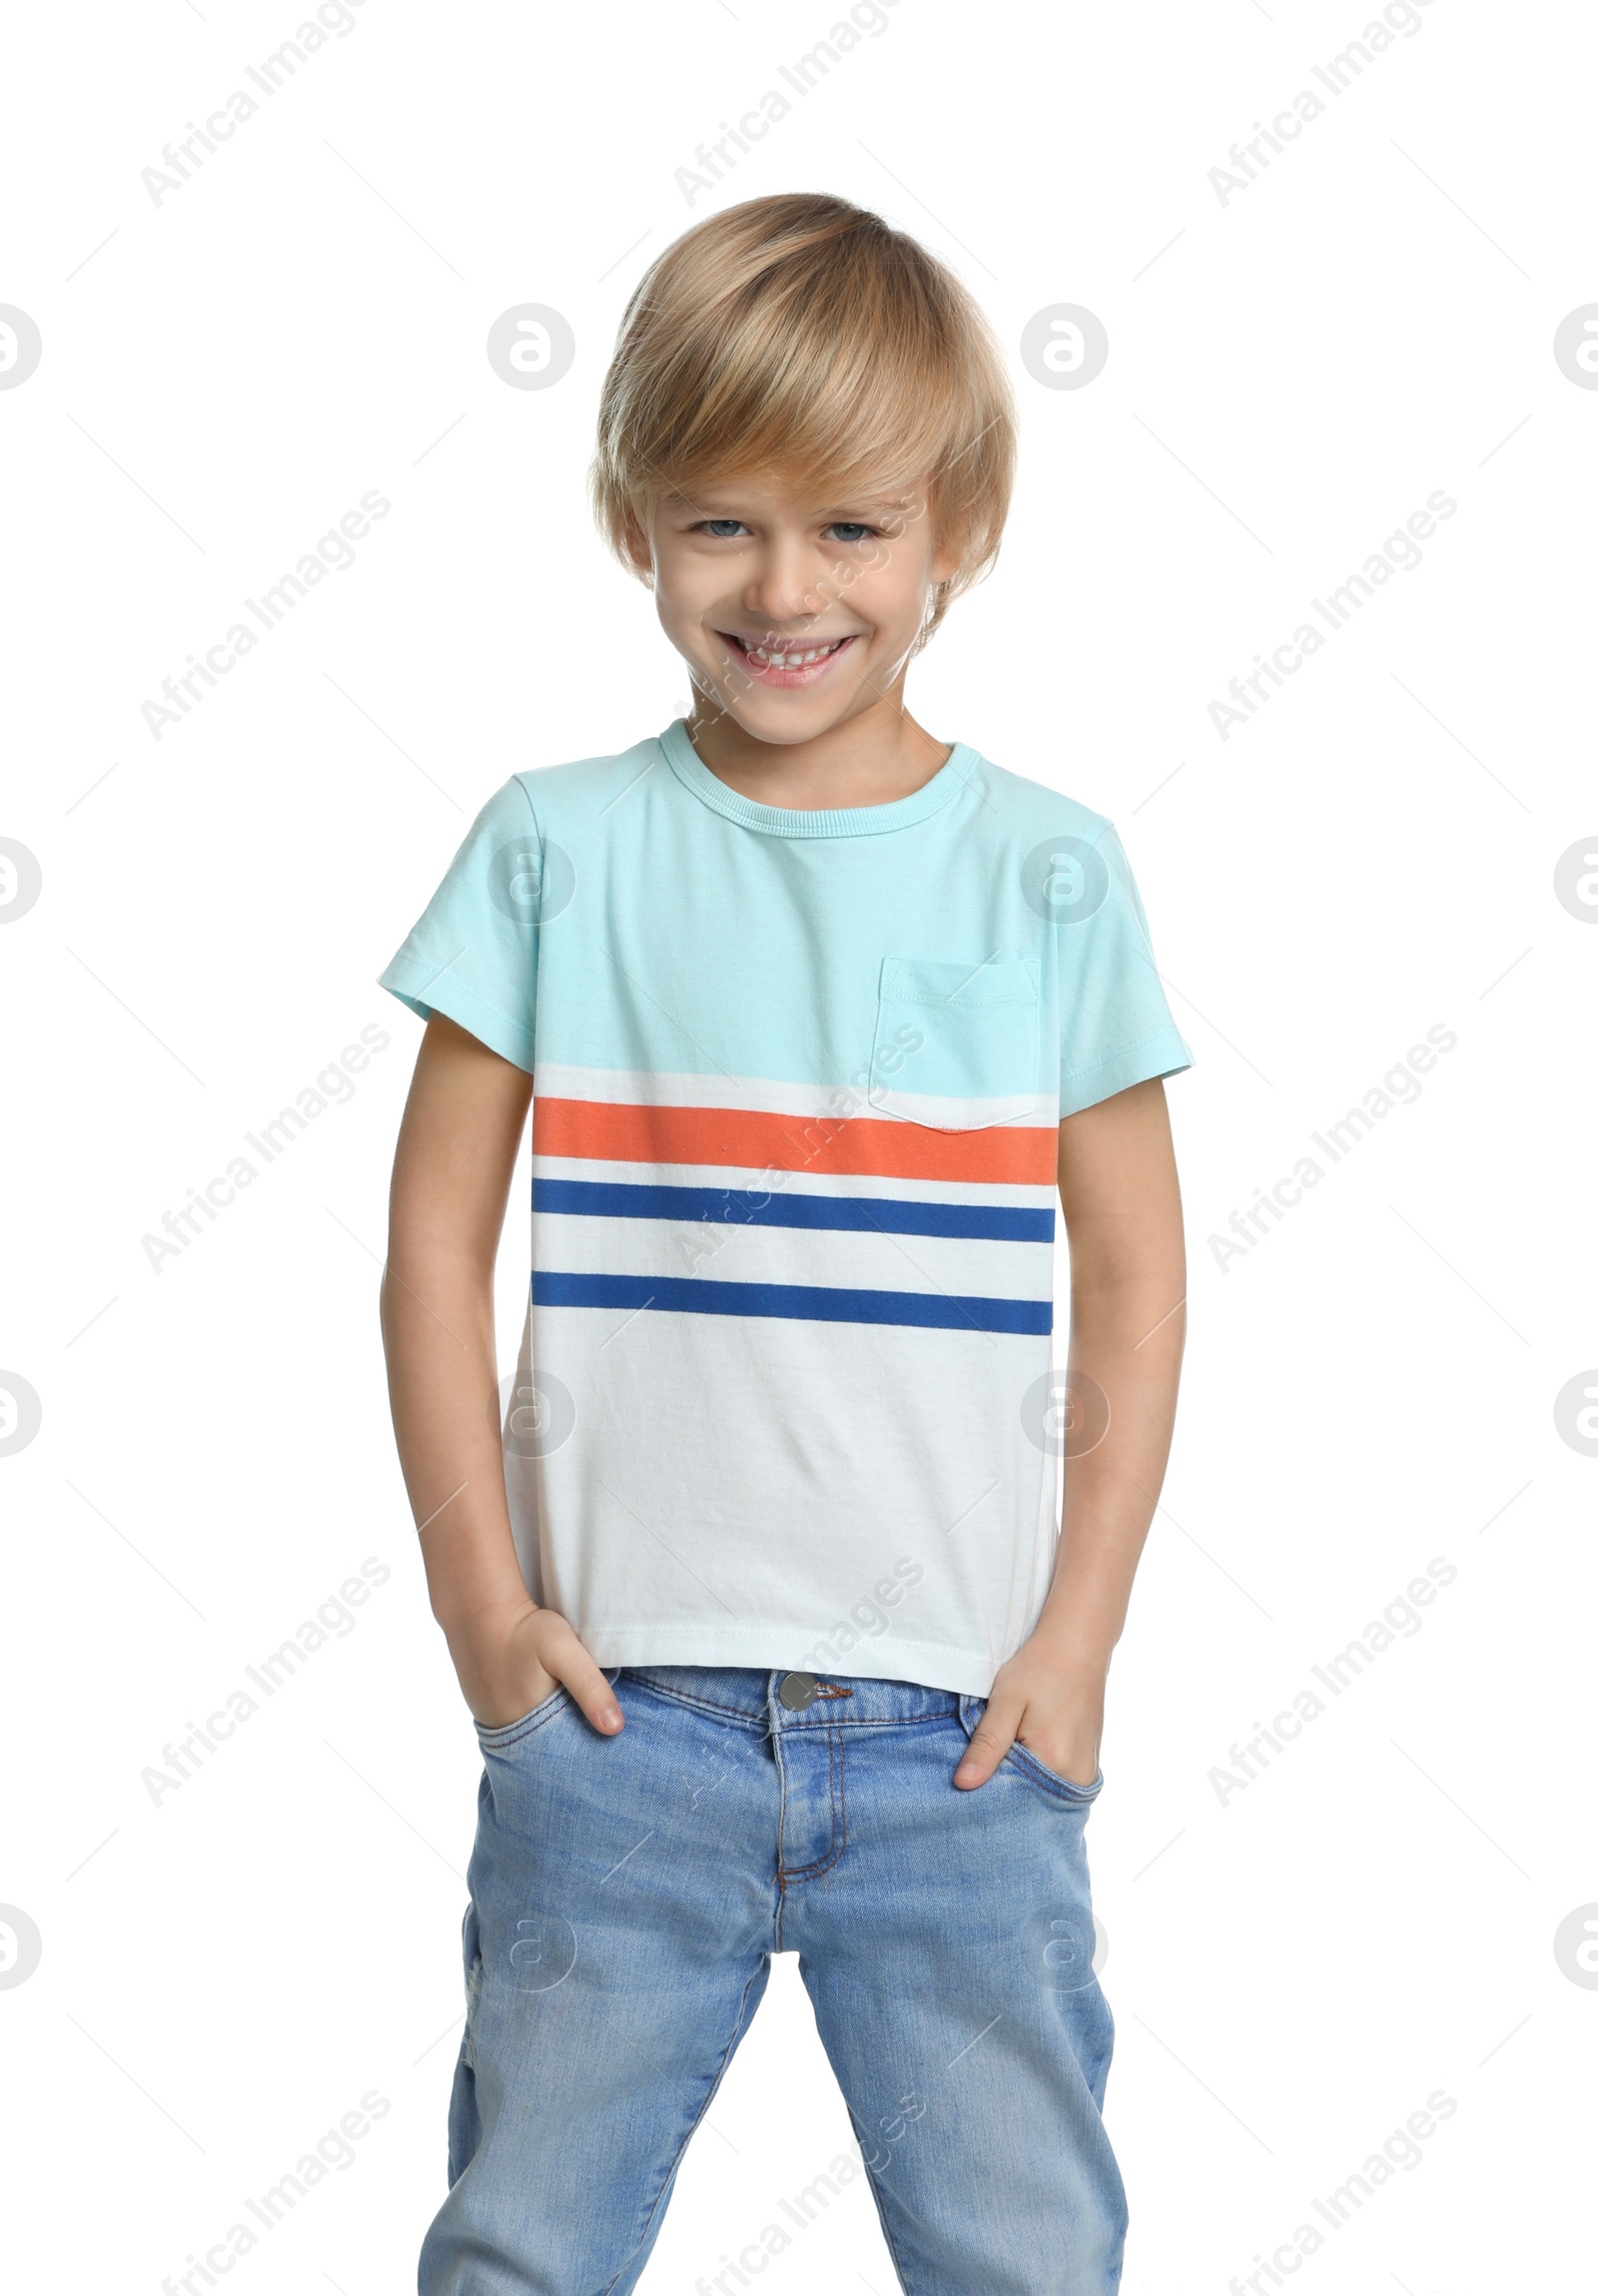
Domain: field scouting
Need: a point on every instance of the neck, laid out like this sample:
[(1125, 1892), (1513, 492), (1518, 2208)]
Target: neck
[(871, 758)]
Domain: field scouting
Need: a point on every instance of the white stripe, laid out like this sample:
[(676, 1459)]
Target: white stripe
[(743, 1179), (955, 1267), (640, 1088)]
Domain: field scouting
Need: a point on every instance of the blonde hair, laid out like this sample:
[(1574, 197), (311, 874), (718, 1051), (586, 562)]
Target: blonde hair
[(802, 335)]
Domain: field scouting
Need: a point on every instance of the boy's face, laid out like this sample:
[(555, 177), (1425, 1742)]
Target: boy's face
[(794, 614)]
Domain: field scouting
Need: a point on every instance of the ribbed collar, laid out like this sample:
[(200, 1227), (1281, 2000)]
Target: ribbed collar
[(842, 821)]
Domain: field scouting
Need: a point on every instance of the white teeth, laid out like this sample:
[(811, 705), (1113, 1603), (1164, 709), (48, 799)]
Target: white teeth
[(791, 661)]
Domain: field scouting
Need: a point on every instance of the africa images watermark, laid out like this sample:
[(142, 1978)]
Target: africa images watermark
[(333, 2152), (1399, 552), (335, 550), (866, 20), (1400, 1619), (1402, 2150), (697, 1241), (184, 159), (333, 1084), (869, 1617), (1400, 1086), (1399, 18), (801, 2212), (335, 1618)]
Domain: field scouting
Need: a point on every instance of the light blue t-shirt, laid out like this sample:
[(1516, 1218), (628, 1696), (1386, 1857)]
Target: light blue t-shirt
[(786, 1396)]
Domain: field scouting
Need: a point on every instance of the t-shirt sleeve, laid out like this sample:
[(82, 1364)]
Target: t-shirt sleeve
[(472, 954), (1116, 1026)]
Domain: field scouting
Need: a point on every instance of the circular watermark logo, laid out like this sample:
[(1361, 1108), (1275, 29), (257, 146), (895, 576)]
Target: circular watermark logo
[(1576, 880), (21, 1413), (1576, 345), (1064, 346), (1576, 1946), (20, 347), (20, 1945), (1065, 879), (1066, 1414), (544, 1953), (530, 883), (530, 347), (537, 1413), (1576, 1413), (20, 880), (1066, 1948)]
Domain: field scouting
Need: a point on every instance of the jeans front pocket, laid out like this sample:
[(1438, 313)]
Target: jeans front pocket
[(1053, 1782), (495, 1739), (955, 1046), (1030, 1767)]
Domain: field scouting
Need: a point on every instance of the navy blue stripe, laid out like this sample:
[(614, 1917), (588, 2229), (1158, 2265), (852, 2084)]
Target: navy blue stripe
[(804, 1302), (1002, 1222)]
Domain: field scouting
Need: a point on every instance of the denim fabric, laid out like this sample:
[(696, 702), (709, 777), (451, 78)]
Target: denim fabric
[(627, 1895)]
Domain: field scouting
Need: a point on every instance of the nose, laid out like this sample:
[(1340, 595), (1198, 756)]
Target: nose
[(780, 585)]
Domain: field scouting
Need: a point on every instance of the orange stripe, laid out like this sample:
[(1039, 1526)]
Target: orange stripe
[(750, 1139)]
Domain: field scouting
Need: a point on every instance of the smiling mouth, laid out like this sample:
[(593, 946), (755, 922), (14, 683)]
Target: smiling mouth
[(784, 656)]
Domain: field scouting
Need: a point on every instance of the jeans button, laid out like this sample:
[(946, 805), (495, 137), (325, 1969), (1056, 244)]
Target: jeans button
[(798, 1691)]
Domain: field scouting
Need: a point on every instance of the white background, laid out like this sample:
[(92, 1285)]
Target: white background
[(1291, 373)]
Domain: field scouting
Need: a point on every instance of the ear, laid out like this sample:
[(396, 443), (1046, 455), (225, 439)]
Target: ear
[(947, 558), (636, 546)]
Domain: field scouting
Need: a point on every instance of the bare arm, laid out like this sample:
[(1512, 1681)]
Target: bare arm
[(451, 1175), (1123, 1211)]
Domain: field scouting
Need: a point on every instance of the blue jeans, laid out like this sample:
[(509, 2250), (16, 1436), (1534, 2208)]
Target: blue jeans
[(627, 1895)]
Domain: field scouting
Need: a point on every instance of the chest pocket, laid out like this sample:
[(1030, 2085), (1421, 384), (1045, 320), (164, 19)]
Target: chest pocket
[(956, 1045)]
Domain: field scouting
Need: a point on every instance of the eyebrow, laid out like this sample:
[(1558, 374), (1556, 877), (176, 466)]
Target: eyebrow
[(703, 506)]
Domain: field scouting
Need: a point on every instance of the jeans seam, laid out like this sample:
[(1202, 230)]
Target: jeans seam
[(840, 1824), (782, 1817), (755, 1721), (1066, 1790), (688, 2132), (557, 1703), (877, 2194), (758, 1720)]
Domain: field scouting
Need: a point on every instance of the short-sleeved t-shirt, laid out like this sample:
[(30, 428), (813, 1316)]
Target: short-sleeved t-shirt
[(787, 1394)]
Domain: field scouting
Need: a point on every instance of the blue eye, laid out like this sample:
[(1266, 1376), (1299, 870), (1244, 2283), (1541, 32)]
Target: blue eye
[(849, 530), (722, 529)]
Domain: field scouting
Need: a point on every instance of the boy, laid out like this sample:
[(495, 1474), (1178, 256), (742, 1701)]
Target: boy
[(756, 1597)]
